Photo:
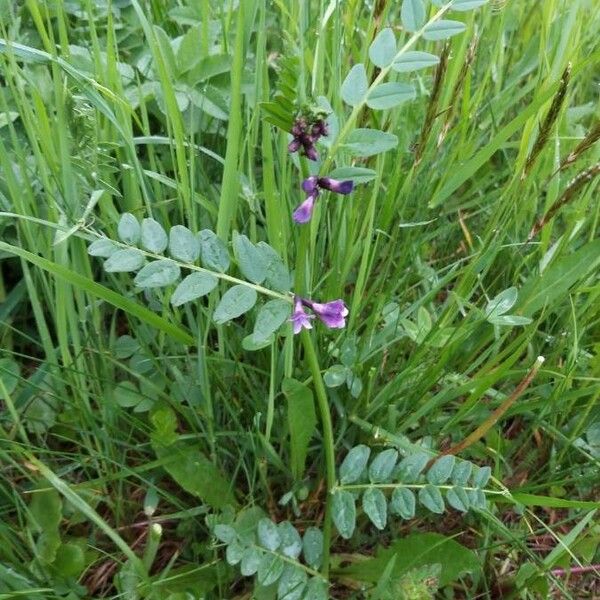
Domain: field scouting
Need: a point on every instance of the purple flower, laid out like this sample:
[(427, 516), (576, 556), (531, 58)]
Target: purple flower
[(303, 213), (306, 134), (300, 319), (333, 185), (333, 313), (313, 186)]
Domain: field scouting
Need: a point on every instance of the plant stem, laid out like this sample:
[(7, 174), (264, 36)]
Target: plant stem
[(328, 443)]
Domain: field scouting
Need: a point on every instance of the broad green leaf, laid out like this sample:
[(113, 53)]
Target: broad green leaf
[(414, 61), (355, 86), (271, 316), (250, 259), (291, 583), (461, 472), (270, 569), (251, 345), (154, 237), (124, 261), (291, 542), (383, 49), (268, 535), (412, 14), (127, 395), (102, 248), (464, 5), (441, 470), (158, 273), (481, 476), (9, 376), (312, 547), (368, 142), (194, 286), (278, 275), (183, 244), (431, 498), (477, 499), (335, 376), (403, 503), (125, 346), (225, 533), (44, 517), (344, 513), (213, 251), (375, 506), (502, 303), (443, 29), (234, 553), (458, 498), (250, 561), (129, 229), (235, 302), (382, 466), (388, 95), (69, 561), (412, 466), (316, 590), (354, 464), (185, 462), (413, 552), (356, 174), (302, 421)]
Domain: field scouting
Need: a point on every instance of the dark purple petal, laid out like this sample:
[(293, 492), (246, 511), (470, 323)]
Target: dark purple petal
[(300, 319), (294, 145), (309, 185), (303, 213), (311, 153), (333, 313), (333, 185)]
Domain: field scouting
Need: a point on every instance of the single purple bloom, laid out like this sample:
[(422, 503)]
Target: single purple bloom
[(333, 313), (310, 185), (300, 319), (294, 145), (333, 185), (311, 153), (303, 213)]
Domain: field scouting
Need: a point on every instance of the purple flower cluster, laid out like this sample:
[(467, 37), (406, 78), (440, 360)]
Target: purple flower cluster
[(306, 135), (333, 314), (312, 186)]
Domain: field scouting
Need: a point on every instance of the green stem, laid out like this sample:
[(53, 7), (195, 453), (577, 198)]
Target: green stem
[(328, 443), (412, 486)]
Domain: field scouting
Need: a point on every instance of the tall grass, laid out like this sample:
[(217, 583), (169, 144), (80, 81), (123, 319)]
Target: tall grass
[(106, 109)]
